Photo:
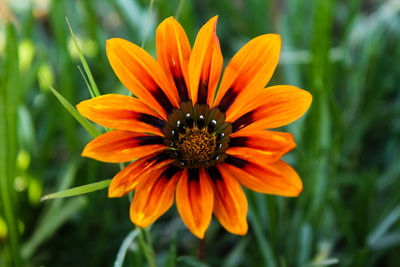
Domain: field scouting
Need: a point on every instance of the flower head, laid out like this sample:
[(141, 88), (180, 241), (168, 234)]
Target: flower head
[(193, 142)]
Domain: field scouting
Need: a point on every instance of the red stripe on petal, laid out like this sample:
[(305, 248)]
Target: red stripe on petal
[(122, 146), (128, 178), (276, 178), (205, 64), (230, 203), (194, 200), (154, 195), (122, 113)]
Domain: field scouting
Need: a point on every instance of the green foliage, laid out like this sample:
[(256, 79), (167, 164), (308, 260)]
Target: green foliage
[(80, 190), (345, 53)]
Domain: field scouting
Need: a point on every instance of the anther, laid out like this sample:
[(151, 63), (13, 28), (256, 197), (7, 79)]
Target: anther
[(175, 134), (211, 126), (220, 136), (200, 122), (189, 120), (181, 126)]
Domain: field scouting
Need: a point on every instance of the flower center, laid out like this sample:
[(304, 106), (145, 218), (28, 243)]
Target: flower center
[(196, 146), (197, 135)]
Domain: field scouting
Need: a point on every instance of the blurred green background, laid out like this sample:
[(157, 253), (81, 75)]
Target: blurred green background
[(345, 52)]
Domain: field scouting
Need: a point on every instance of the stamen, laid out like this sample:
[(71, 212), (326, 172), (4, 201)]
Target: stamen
[(196, 146), (197, 136), (200, 122)]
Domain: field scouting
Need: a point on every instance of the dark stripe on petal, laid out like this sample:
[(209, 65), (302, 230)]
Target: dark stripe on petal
[(238, 141), (182, 88), (149, 140), (159, 157), (214, 173), (150, 119), (227, 99), (237, 162), (163, 100), (170, 172), (202, 92), (243, 121), (193, 174)]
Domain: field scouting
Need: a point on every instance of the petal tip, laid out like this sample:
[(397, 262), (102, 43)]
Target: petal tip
[(139, 220), (243, 231), (81, 107), (309, 97), (170, 18), (85, 153), (110, 42), (300, 188), (199, 234), (113, 191)]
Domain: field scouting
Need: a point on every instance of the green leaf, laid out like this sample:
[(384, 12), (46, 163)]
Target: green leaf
[(80, 190), (54, 220), (384, 226), (10, 90), (74, 112), (326, 262), (171, 259), (190, 261), (93, 89), (56, 213), (119, 261), (87, 83)]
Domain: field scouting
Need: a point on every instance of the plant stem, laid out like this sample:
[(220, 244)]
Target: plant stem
[(147, 22), (178, 11), (201, 249), (145, 241)]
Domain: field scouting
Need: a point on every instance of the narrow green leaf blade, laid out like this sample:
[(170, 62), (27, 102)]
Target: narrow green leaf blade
[(190, 261), (84, 63), (71, 109), (87, 83), (124, 248), (384, 226), (172, 254), (80, 190)]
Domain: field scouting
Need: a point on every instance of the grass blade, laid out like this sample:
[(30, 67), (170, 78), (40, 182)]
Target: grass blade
[(124, 248), (384, 226), (192, 262), (9, 98), (94, 87), (147, 22), (92, 95), (71, 109), (172, 254), (50, 220), (80, 190), (55, 219)]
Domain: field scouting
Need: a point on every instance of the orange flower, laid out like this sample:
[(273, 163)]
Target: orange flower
[(192, 141)]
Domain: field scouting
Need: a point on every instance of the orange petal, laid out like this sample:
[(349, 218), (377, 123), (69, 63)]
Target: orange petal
[(276, 178), (122, 146), (154, 195), (122, 113), (128, 178), (173, 53), (205, 64), (267, 146), (273, 107), (194, 200), (248, 72), (230, 203), (142, 75)]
